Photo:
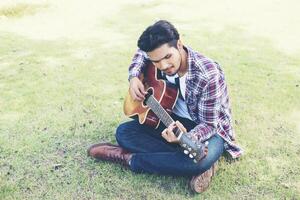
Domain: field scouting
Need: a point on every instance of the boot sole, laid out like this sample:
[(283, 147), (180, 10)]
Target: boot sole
[(206, 178)]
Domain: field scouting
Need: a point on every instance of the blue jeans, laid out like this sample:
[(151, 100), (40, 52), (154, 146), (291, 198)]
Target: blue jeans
[(153, 154)]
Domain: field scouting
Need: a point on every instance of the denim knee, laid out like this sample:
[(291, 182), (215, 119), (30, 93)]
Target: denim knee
[(215, 150), (199, 168), (120, 133)]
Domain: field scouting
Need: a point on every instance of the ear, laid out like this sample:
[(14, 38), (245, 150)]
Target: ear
[(179, 44)]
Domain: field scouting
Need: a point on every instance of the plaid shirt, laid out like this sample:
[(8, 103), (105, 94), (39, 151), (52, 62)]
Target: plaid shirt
[(206, 97)]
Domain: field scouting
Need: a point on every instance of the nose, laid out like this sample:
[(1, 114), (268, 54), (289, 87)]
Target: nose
[(163, 65)]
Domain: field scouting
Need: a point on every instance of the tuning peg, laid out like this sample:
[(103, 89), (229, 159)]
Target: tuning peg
[(186, 152), (194, 154), (184, 145), (195, 161), (191, 156), (190, 149)]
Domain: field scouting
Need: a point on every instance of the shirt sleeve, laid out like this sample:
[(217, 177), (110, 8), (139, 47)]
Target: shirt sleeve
[(137, 65), (209, 106)]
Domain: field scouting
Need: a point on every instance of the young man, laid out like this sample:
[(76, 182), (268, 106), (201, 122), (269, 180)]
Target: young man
[(202, 112)]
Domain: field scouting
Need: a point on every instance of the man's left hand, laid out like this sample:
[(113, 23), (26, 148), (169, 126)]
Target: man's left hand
[(168, 133)]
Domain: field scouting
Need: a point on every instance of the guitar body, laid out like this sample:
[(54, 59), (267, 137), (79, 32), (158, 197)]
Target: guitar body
[(157, 106), (165, 94)]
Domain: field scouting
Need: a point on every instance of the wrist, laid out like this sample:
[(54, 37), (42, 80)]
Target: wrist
[(131, 77)]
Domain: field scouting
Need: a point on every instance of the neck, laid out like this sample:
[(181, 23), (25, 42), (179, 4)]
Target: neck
[(183, 63)]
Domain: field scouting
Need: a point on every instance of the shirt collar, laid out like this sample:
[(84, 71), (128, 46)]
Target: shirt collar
[(191, 62)]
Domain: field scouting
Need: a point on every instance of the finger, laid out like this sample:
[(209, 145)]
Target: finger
[(138, 93), (171, 127), (139, 99), (164, 133), (143, 93), (180, 126), (133, 94), (164, 136), (142, 88), (136, 98)]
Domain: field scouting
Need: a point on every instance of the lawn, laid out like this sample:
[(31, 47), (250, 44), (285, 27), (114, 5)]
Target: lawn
[(63, 78)]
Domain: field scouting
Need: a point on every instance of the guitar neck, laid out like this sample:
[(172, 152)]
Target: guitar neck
[(161, 113), (195, 151)]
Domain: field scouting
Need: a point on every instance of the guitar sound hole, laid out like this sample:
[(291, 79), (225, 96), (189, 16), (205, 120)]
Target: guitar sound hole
[(149, 93)]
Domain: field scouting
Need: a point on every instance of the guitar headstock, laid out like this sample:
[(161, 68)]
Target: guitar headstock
[(193, 150)]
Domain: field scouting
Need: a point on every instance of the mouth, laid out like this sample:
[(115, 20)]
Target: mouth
[(169, 70)]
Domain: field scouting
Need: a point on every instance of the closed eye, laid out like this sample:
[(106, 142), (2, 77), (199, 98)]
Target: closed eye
[(168, 56), (157, 61)]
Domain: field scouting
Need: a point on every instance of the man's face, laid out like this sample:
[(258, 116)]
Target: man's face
[(166, 59)]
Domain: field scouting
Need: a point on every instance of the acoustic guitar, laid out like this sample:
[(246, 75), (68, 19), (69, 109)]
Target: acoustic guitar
[(159, 101)]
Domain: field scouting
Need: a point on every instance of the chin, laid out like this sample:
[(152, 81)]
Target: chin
[(172, 74)]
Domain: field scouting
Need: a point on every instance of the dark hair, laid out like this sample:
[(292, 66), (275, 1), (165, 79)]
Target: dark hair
[(158, 34)]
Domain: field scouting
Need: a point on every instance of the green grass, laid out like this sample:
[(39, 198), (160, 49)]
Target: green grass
[(59, 96)]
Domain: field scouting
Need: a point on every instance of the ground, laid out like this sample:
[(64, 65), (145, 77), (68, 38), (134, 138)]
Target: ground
[(63, 78)]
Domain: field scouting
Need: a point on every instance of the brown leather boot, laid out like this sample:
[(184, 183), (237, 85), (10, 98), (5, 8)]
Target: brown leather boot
[(110, 152), (201, 182)]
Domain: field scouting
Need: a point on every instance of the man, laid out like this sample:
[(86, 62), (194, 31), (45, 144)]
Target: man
[(202, 112)]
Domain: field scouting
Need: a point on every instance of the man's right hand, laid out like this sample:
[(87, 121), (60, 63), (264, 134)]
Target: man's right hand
[(137, 89)]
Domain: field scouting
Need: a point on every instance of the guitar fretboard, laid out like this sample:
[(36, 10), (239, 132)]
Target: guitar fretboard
[(161, 113)]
